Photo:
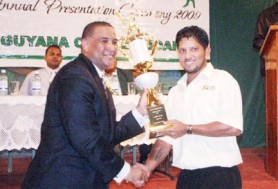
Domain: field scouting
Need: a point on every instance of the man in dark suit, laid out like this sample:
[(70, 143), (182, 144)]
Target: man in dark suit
[(79, 130), (266, 18)]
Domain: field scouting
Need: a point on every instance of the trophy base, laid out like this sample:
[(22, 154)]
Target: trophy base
[(153, 130)]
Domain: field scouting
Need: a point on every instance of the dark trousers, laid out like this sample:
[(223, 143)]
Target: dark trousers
[(144, 150), (210, 178)]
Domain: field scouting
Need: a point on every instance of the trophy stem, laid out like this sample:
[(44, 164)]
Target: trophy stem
[(153, 98)]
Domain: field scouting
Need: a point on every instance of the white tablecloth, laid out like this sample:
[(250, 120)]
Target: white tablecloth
[(21, 118), (20, 121)]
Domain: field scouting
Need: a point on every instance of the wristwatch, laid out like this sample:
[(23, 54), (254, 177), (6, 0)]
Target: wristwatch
[(189, 130)]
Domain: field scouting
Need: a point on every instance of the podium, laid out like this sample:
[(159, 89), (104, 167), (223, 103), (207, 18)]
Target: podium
[(269, 52)]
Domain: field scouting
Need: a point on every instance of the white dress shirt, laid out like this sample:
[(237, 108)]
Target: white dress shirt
[(46, 74)]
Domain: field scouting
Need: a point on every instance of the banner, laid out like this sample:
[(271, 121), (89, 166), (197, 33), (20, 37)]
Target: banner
[(29, 26)]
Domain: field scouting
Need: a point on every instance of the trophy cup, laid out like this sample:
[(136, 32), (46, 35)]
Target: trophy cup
[(142, 60)]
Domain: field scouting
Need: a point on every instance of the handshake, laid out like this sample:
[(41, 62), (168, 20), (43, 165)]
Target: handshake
[(138, 175)]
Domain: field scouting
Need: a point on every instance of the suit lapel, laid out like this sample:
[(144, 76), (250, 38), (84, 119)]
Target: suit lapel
[(95, 75), (105, 93)]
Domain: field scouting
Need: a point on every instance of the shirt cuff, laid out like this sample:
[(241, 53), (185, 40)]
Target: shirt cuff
[(142, 120), (123, 173)]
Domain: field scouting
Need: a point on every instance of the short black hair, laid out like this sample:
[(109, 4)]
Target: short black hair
[(55, 46), (193, 31), (89, 29)]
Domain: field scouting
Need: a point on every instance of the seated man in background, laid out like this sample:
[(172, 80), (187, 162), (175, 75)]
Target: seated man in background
[(53, 58), (118, 79)]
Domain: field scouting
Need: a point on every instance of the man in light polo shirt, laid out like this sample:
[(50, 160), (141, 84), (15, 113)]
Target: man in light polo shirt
[(205, 110)]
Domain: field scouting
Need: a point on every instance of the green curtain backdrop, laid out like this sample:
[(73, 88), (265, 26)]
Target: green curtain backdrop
[(232, 26)]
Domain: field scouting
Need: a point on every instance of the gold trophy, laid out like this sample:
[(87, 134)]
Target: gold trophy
[(142, 61)]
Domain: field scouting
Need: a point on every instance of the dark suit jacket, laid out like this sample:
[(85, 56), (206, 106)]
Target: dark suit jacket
[(266, 18), (78, 133)]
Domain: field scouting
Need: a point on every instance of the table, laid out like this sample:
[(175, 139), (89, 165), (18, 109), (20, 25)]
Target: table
[(20, 121), (21, 118)]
